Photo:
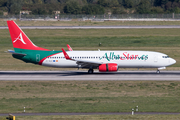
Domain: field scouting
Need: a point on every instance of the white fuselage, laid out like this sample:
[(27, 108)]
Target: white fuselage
[(124, 59)]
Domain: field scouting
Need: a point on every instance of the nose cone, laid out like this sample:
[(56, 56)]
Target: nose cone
[(172, 61)]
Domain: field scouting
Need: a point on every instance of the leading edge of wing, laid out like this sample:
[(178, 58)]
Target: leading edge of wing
[(80, 61)]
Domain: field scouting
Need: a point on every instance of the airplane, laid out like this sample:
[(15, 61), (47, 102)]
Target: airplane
[(104, 61)]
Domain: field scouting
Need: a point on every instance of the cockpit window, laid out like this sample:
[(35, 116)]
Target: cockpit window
[(165, 56)]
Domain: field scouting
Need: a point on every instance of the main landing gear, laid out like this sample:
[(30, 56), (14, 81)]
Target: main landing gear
[(90, 71), (158, 71)]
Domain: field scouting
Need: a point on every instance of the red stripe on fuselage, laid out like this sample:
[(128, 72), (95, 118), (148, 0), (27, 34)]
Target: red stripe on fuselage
[(42, 60)]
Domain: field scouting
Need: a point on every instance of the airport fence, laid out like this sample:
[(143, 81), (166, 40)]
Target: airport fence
[(95, 17)]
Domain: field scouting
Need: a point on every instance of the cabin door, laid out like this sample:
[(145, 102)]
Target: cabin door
[(37, 57), (155, 58)]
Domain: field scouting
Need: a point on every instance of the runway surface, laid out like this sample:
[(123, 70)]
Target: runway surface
[(83, 75), (96, 27), (123, 113)]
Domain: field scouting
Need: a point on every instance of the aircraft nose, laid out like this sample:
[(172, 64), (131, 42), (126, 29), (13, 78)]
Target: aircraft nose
[(172, 61)]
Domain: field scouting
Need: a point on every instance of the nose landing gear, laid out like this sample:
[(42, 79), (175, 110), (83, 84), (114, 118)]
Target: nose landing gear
[(161, 68)]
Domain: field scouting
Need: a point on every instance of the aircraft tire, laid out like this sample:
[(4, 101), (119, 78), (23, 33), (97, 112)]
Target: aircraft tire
[(157, 71), (90, 71)]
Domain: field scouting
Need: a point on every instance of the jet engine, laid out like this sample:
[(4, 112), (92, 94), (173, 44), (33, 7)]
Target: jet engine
[(109, 67)]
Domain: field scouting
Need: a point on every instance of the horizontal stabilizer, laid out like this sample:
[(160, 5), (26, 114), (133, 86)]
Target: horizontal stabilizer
[(13, 52)]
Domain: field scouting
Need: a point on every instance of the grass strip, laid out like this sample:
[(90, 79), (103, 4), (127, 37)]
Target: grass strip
[(89, 96)]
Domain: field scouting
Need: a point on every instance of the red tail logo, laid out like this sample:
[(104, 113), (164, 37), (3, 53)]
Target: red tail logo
[(19, 38)]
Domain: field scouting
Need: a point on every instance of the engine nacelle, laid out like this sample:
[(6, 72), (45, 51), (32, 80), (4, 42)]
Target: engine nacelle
[(109, 67)]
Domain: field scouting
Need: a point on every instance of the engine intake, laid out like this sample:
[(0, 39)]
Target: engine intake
[(109, 67)]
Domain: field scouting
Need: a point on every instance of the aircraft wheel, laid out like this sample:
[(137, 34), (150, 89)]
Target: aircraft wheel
[(90, 71), (157, 71)]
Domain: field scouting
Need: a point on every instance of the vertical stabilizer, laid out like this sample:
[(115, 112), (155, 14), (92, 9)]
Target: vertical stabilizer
[(19, 38)]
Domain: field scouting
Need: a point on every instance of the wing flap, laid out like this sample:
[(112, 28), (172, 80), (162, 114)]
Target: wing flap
[(88, 62)]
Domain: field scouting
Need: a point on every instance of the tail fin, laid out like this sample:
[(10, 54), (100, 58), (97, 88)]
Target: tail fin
[(19, 38)]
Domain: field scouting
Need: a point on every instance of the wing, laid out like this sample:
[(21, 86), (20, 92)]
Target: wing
[(82, 63)]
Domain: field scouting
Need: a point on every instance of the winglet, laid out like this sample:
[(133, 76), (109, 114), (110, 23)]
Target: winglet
[(69, 48), (66, 55)]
